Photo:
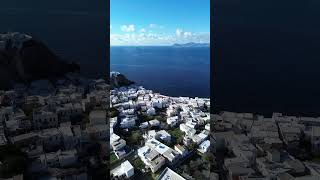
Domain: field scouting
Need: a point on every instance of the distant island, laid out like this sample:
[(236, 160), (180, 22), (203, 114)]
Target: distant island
[(192, 44)]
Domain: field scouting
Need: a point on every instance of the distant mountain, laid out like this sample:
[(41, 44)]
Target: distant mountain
[(192, 44)]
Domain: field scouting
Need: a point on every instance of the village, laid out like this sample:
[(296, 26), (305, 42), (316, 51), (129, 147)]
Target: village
[(153, 135), (281, 147), (55, 130), (79, 128)]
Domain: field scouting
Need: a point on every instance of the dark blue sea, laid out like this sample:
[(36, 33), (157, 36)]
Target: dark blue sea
[(168, 70), (267, 56)]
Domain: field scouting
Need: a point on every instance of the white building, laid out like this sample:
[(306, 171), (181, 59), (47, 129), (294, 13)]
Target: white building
[(119, 144), (172, 121), (157, 163), (151, 154), (127, 122), (124, 169), (69, 139), (181, 149), (113, 138), (25, 139), (142, 152), (207, 127), (144, 125), (128, 112), (204, 146), (113, 122), (171, 111), (171, 155), (199, 138), (158, 103), (66, 111), (189, 131), (44, 119), (191, 124), (151, 111), (164, 136), (59, 158), (50, 137), (150, 135), (154, 123), (168, 174)]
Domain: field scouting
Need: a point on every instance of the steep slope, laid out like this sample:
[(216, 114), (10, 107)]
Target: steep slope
[(34, 60)]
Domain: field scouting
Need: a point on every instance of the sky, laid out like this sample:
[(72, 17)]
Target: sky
[(159, 22)]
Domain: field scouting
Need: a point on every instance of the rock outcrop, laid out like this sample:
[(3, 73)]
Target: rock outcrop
[(117, 80), (32, 60)]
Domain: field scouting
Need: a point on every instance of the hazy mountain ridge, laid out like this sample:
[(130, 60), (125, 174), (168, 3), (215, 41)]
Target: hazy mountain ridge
[(192, 44)]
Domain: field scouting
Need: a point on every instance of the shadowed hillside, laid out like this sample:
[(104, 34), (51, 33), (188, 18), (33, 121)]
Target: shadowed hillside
[(34, 60)]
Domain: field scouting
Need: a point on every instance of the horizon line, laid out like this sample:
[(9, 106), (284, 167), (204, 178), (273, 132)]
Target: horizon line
[(161, 44)]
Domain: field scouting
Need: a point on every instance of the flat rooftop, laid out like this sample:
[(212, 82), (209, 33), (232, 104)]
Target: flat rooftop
[(169, 174)]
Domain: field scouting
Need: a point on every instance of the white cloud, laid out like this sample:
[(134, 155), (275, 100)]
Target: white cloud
[(155, 26), (142, 30), (127, 28), (150, 38), (141, 39), (187, 34), (179, 32), (152, 25), (183, 34)]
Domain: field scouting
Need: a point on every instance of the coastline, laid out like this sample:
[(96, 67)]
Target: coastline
[(168, 94)]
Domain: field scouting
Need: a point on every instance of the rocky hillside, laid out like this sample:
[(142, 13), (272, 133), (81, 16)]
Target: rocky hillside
[(34, 60), (117, 80)]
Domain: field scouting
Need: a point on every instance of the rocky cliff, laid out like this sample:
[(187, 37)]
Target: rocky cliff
[(32, 61), (117, 80)]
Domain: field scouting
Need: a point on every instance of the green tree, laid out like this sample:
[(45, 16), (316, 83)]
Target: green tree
[(207, 157), (136, 137), (113, 112), (192, 146), (138, 163), (198, 175)]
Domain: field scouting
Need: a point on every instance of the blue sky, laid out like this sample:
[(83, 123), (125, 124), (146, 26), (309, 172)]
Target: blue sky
[(159, 22)]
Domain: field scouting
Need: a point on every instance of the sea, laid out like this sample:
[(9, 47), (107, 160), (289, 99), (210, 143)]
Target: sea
[(168, 70), (267, 56), (76, 30)]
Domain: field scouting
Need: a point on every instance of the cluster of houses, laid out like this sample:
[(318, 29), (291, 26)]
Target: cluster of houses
[(261, 147), (117, 144), (156, 154), (54, 127), (189, 116), (54, 123)]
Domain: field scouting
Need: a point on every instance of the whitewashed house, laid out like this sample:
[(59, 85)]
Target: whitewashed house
[(42, 119)]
